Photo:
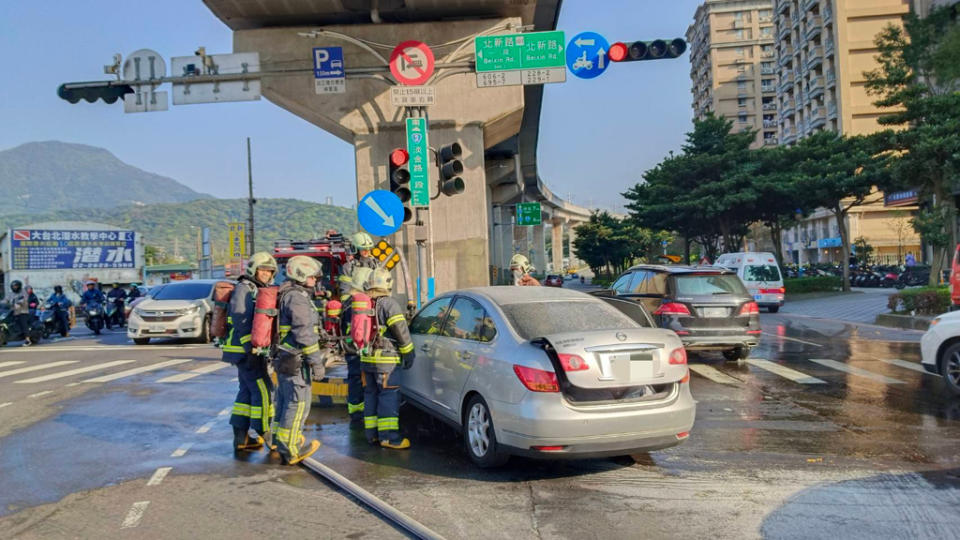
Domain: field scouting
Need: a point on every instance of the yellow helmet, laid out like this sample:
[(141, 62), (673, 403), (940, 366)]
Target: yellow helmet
[(258, 260), (300, 268), (381, 278), (520, 262), (362, 240)]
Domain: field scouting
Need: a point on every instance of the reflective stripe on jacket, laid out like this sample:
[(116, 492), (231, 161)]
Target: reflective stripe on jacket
[(240, 313), (394, 342)]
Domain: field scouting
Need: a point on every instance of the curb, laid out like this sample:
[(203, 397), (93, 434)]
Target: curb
[(907, 322)]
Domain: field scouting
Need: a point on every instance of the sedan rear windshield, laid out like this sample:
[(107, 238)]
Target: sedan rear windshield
[(538, 319), (709, 284), (761, 272), (184, 291)]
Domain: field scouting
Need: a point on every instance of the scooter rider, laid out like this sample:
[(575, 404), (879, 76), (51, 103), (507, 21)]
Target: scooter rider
[(298, 359), (61, 305), (92, 294), (118, 296), (252, 408), (21, 310)]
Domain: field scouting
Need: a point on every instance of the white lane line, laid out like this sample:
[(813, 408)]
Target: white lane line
[(182, 450), (36, 368), (792, 339), (61, 374), (907, 365), (195, 373), (206, 427), (713, 374), (11, 363), (784, 371), (2, 405), (235, 379), (135, 515), (82, 348), (225, 411), (38, 394), (158, 476), (134, 371), (840, 366)]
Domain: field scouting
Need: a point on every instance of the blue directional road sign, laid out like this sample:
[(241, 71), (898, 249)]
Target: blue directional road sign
[(329, 76), (380, 212), (587, 55)]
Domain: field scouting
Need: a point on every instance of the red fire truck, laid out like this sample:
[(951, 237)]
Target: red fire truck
[(333, 251)]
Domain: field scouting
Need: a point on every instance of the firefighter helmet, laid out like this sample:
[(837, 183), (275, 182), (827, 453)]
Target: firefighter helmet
[(261, 259), (361, 275), (381, 279), (520, 262), (300, 268), (362, 240)]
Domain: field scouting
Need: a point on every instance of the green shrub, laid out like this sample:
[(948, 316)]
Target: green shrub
[(920, 301), (812, 284)]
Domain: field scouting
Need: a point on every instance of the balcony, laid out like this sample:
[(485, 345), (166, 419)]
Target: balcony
[(769, 124), (807, 5), (827, 16), (770, 141), (814, 57), (786, 81), (818, 117), (832, 111), (768, 88), (814, 26), (786, 55), (789, 139), (765, 19), (768, 71), (831, 79), (787, 108), (828, 47), (770, 106), (782, 6), (783, 32), (816, 85), (768, 53)]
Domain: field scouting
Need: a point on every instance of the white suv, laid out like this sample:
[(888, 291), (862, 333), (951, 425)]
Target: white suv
[(940, 349), (181, 309)]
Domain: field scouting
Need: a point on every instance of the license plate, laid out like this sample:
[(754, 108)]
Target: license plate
[(157, 328), (713, 312), (626, 369), (757, 296)]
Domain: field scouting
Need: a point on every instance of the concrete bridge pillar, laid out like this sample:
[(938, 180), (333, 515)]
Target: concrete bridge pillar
[(521, 240), (556, 242), (539, 249), (572, 235), (504, 240)]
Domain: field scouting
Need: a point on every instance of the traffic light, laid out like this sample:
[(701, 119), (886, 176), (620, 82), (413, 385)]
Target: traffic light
[(646, 50), (93, 91), (399, 178), (450, 169)]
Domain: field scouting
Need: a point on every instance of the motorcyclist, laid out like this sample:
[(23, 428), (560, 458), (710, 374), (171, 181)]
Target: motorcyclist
[(20, 304), (118, 296), (92, 295), (61, 305), (521, 268), (33, 302), (134, 292)]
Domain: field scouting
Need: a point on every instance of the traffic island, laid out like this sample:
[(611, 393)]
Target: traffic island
[(905, 321)]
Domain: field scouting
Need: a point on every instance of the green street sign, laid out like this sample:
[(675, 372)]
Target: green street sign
[(528, 213), (533, 50), (419, 151)]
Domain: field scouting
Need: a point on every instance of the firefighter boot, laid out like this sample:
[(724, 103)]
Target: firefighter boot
[(402, 445), (252, 443), (305, 452)]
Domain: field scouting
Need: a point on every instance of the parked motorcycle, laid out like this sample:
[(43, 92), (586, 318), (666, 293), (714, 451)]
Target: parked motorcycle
[(95, 317), (10, 330), (52, 320)]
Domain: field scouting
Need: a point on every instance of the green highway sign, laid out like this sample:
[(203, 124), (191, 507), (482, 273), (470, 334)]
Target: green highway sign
[(528, 213), (419, 151), (533, 50)]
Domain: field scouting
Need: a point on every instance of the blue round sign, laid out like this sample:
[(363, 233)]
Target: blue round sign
[(587, 55), (380, 213)]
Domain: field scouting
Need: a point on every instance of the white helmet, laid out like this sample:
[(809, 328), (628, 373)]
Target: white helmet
[(300, 268)]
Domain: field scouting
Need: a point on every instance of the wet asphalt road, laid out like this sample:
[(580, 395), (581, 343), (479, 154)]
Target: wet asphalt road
[(773, 453)]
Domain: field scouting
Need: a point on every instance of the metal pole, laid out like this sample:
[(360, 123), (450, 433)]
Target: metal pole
[(250, 200)]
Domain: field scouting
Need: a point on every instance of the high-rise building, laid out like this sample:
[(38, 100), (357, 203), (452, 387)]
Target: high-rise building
[(733, 65), (924, 7)]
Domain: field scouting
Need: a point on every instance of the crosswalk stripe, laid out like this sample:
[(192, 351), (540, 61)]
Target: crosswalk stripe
[(907, 365), (11, 363), (784, 371), (61, 374), (792, 339), (195, 373), (840, 366), (134, 371), (37, 367), (2, 405), (38, 394), (713, 374)]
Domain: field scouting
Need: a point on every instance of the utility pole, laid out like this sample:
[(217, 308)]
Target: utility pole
[(250, 200)]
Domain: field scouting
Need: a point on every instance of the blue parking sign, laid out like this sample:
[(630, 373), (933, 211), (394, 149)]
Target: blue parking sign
[(328, 63)]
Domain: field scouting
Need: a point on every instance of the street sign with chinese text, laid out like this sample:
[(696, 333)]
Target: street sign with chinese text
[(513, 59), (413, 96), (237, 240), (328, 70), (33, 249), (528, 213), (419, 164)]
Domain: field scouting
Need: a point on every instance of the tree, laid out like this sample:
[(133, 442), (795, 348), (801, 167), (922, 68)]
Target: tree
[(917, 82), (607, 243), (863, 250), (898, 223)]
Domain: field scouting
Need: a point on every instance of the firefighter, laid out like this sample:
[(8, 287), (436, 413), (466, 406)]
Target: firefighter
[(354, 385), (392, 348), (298, 359), (362, 243), (253, 405), (520, 268)]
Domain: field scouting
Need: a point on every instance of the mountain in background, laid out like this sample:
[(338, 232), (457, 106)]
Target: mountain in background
[(41, 177), (173, 227)]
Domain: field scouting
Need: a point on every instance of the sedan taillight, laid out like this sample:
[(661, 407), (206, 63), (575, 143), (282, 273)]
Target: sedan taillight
[(672, 308), (750, 308), (537, 380), (572, 362), (678, 357)]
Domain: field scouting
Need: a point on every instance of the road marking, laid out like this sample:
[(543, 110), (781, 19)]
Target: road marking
[(2, 405), (784, 371), (840, 366), (182, 450), (135, 515), (225, 411), (36, 368), (61, 374), (235, 379), (11, 363), (206, 427), (72, 384), (158, 476), (38, 394), (713, 374), (792, 339), (141, 348), (907, 365), (134, 371), (195, 373)]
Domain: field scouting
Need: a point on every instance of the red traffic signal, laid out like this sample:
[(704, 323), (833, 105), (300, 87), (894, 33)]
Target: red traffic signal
[(399, 157), (617, 52)]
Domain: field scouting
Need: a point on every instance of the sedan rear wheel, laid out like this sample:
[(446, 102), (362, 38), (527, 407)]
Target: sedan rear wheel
[(950, 368), (732, 355), (480, 437)]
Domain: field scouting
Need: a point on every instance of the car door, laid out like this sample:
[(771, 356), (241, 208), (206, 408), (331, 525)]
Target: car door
[(647, 289), (455, 351), (424, 329)]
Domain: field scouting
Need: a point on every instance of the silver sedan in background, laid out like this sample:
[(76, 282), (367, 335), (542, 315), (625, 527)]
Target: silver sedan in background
[(548, 372)]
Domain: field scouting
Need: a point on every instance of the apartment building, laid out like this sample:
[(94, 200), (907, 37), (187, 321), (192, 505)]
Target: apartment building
[(733, 65), (823, 49)]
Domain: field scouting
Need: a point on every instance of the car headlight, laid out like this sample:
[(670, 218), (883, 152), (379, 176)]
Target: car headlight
[(190, 310), (138, 311), (92, 312)]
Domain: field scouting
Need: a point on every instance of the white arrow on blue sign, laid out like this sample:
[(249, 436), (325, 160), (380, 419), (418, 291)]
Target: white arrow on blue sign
[(328, 73), (380, 212), (587, 55)]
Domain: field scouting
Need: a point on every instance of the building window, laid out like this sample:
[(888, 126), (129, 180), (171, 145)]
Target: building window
[(740, 34), (738, 15), (742, 102), (742, 118), (740, 51), (741, 85), (766, 31)]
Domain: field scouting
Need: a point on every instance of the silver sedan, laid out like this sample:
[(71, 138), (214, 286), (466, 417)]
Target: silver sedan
[(548, 372)]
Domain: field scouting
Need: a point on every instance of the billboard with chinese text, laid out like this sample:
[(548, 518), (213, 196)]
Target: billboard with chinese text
[(45, 249)]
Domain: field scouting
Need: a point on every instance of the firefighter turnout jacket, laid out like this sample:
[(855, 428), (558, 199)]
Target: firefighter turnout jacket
[(393, 341), (240, 321), (298, 339)]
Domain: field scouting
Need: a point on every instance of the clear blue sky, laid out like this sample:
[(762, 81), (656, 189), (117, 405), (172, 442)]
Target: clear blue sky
[(597, 136)]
